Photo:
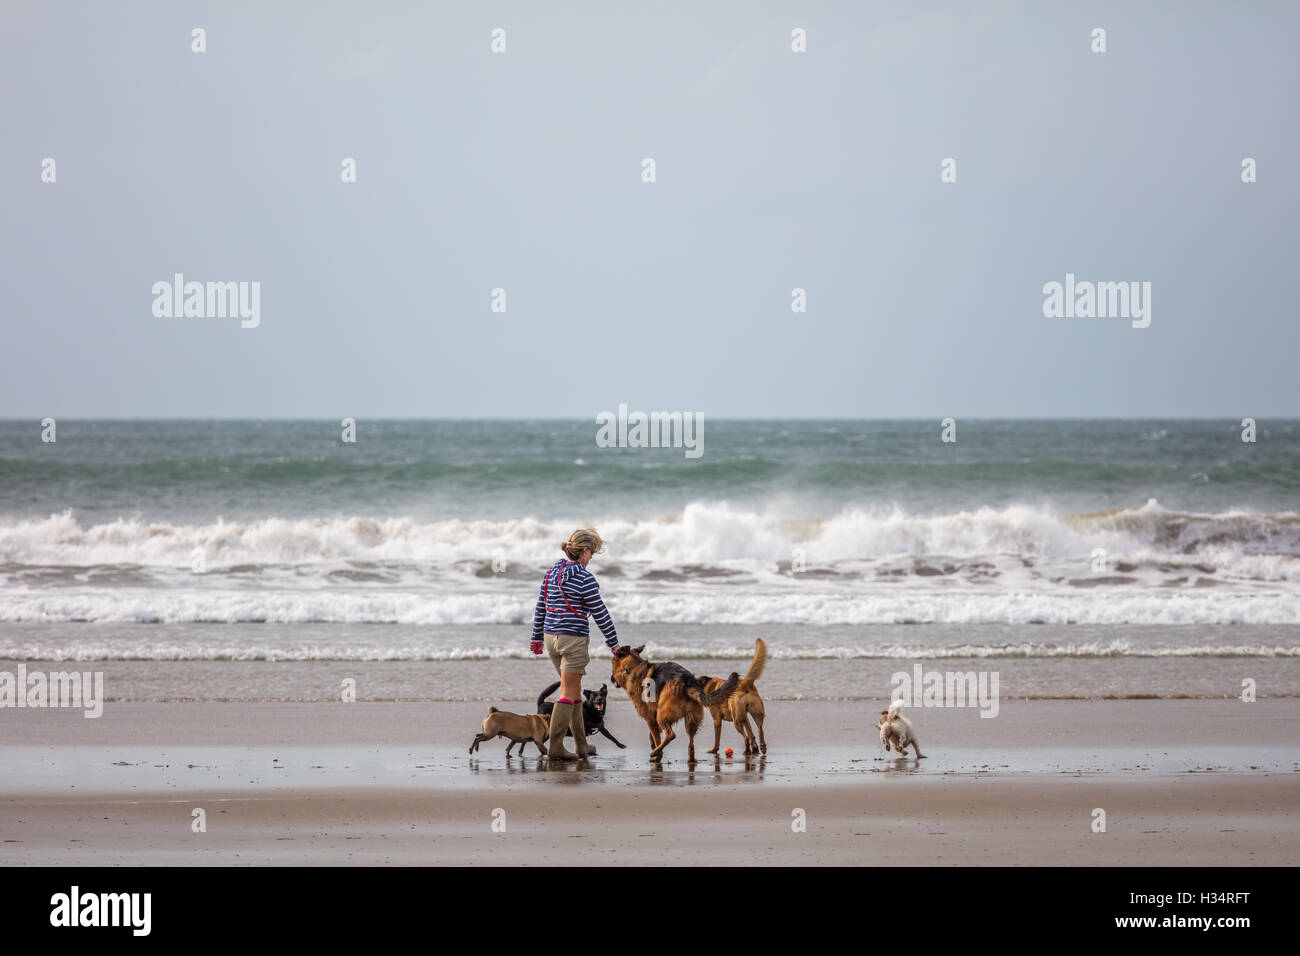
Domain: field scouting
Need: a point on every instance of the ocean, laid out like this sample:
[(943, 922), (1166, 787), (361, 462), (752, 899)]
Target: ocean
[(271, 560)]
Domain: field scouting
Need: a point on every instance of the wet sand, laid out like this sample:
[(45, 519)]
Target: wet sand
[(1181, 782)]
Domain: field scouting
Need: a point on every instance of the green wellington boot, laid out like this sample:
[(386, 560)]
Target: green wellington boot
[(560, 720), (578, 727)]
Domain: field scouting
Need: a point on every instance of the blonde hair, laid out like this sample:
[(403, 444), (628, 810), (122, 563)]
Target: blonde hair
[(579, 541)]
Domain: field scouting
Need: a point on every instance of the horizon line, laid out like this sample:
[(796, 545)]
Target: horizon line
[(592, 419)]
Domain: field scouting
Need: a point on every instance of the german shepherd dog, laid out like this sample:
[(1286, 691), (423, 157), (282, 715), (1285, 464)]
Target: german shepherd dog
[(593, 710), (743, 703), (679, 695)]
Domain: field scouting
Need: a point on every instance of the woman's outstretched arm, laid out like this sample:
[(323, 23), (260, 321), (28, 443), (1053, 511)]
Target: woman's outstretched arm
[(594, 606), (539, 617)]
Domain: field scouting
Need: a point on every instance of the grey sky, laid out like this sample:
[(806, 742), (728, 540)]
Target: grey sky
[(775, 170)]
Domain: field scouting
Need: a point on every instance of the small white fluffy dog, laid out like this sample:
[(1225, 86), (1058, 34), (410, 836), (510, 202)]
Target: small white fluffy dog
[(897, 730)]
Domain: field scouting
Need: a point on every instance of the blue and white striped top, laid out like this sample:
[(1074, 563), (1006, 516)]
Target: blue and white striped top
[(568, 594)]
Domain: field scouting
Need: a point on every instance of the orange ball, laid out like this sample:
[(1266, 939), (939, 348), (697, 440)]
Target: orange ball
[(729, 753)]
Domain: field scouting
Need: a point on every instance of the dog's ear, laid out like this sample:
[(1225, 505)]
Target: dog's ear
[(621, 651), (637, 650)]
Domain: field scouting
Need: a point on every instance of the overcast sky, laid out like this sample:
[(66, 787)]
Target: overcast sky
[(775, 170)]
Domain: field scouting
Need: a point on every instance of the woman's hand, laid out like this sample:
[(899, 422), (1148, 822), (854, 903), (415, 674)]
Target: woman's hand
[(535, 647)]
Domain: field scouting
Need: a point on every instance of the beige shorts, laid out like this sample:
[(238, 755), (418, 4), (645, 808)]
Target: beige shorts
[(569, 652)]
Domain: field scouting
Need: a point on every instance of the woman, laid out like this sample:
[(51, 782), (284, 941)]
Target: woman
[(569, 594)]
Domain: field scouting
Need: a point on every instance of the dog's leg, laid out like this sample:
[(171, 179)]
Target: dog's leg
[(668, 738), (717, 730), (740, 720), (478, 740), (762, 740), (693, 722), (916, 745), (746, 731), (604, 731)]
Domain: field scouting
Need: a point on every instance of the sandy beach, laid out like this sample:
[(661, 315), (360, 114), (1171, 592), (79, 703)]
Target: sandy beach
[(1182, 782)]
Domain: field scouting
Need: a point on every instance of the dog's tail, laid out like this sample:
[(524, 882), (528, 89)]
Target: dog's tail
[(756, 668), (493, 710), (696, 690), (541, 698), (895, 709)]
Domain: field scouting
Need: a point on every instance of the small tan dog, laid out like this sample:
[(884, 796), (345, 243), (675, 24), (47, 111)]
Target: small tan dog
[(517, 728), (897, 730)]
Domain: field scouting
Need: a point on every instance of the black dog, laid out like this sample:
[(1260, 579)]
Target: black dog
[(593, 711)]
